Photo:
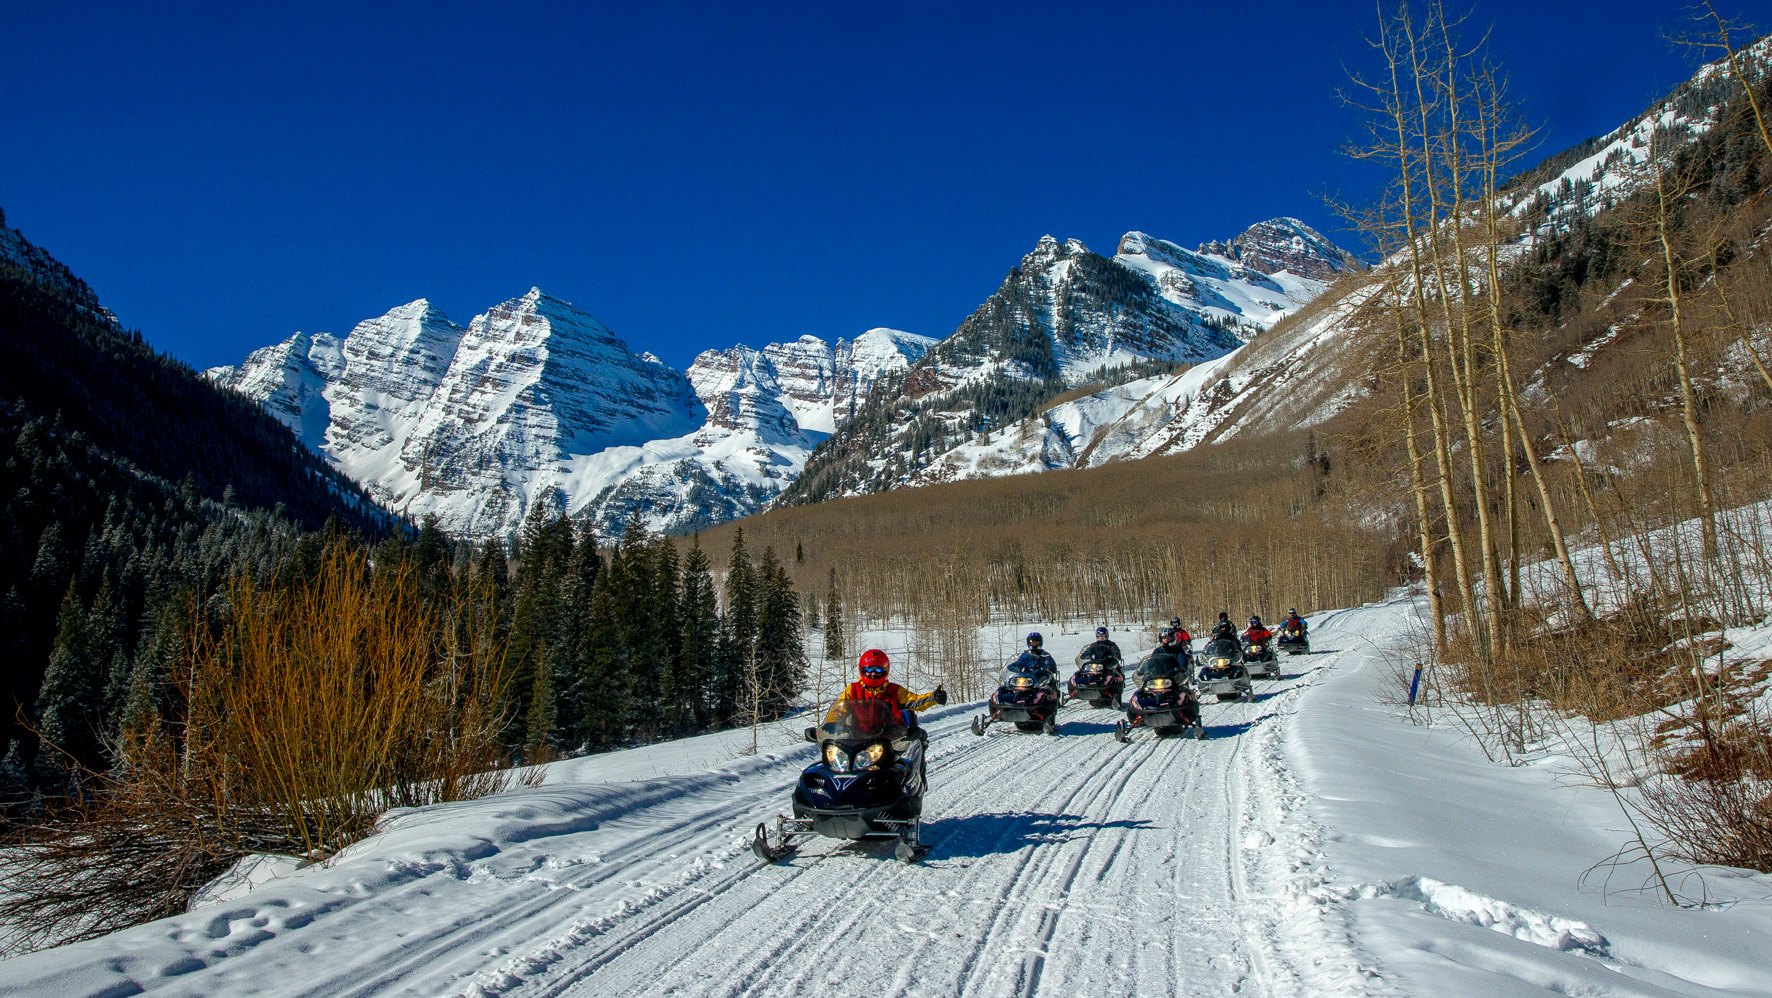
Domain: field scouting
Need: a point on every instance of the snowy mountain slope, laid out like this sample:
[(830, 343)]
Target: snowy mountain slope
[(1292, 378), (477, 425), (1614, 166), (1316, 845), (1065, 317), (289, 379), (1306, 370)]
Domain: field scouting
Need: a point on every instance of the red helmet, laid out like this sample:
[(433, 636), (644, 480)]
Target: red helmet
[(874, 667)]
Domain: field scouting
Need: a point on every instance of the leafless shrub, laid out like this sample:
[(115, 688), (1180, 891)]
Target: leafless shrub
[(301, 715)]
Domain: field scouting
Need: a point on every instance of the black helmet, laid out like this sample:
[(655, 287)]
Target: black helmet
[(1167, 635), (1293, 612), (1224, 616), (1175, 622), (1255, 620), (1034, 639)]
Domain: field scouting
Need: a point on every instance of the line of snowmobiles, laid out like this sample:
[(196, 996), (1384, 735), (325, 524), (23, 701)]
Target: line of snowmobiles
[(871, 772)]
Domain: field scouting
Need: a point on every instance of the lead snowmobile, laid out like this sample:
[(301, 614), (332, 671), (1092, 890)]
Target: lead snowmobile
[(868, 783), (1027, 697), (1161, 700), (1100, 677), (1219, 670)]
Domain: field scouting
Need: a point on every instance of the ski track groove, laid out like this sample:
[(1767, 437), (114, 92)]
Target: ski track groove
[(495, 921), (606, 953)]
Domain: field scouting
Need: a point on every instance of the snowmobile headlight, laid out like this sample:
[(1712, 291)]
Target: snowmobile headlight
[(1222, 663), (1160, 684), (869, 758), (836, 758), (1022, 682)]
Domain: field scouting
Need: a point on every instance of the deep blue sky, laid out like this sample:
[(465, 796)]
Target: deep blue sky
[(693, 175)]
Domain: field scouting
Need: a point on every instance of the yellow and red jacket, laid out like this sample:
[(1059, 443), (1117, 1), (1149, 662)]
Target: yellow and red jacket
[(899, 696)]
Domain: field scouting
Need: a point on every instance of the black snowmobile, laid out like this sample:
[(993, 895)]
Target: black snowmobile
[(868, 782), (1261, 660), (1099, 679), (1219, 670), (1027, 697), (1295, 640), (1162, 700)]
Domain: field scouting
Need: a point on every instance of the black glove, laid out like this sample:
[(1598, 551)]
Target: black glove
[(941, 697)]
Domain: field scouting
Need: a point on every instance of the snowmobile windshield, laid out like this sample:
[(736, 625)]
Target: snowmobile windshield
[(1224, 648), (1159, 667), (863, 720), (1024, 674), (1096, 655)]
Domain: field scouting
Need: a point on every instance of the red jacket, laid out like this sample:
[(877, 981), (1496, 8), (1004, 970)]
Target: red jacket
[(900, 697), (1256, 635)]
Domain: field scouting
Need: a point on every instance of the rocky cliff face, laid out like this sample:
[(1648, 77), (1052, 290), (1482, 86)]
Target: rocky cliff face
[(476, 426), (1285, 244)]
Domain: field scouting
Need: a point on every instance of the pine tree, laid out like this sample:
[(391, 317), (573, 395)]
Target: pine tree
[(540, 746), (833, 620), (605, 675), (71, 697), (667, 634), (699, 612), (780, 655), (738, 632)]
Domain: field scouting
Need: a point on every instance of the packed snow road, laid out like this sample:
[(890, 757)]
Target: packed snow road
[(1066, 864), (1314, 844)]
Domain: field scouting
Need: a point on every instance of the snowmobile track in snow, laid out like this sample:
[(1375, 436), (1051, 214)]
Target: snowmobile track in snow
[(1037, 841)]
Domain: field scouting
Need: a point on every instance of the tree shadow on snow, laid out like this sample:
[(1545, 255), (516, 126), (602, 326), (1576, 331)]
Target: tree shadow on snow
[(996, 833)]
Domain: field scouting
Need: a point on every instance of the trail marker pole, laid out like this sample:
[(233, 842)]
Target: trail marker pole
[(1414, 683)]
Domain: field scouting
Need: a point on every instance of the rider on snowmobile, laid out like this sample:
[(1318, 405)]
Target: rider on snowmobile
[(873, 669), (1293, 622), (1169, 644), (1174, 641), (1181, 633), (1224, 628), (1173, 647), (1256, 634), (1036, 657), (1102, 644)]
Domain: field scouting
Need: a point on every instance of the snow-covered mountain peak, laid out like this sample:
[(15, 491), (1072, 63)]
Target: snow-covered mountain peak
[(1049, 249)]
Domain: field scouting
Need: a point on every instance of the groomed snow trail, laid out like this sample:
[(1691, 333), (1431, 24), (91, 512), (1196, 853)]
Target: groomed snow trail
[(1067, 865)]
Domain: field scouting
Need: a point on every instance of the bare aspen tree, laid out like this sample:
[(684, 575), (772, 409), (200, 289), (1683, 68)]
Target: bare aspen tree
[(1453, 133), (1498, 146), (1724, 31), (1419, 489), (1688, 399), (1422, 237)]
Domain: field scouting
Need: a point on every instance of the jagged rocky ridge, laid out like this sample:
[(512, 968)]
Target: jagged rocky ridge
[(1067, 318), (537, 402)]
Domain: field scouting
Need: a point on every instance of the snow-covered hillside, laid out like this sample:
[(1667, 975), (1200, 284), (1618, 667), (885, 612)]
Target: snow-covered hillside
[(1317, 844), (535, 401)]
